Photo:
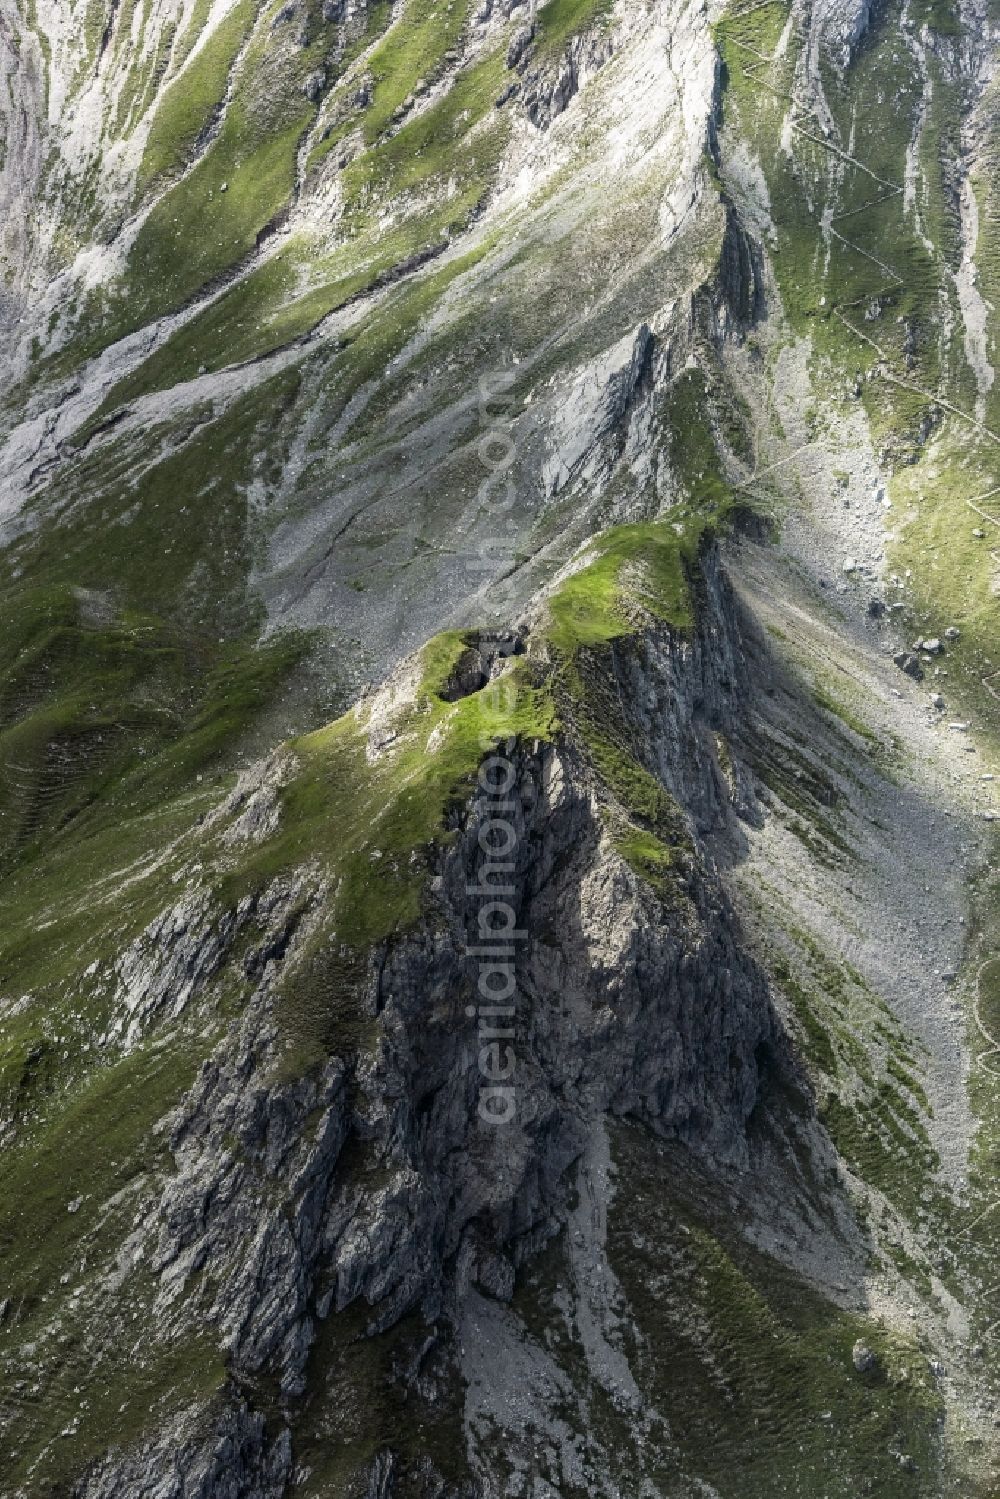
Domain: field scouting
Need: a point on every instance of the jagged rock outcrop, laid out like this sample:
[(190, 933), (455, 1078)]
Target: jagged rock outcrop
[(840, 24), (547, 90), (627, 1003), (230, 1457), (740, 298)]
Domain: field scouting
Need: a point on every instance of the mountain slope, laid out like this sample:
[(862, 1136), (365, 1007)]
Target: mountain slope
[(430, 427)]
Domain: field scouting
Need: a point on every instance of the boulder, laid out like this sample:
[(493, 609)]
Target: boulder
[(907, 662)]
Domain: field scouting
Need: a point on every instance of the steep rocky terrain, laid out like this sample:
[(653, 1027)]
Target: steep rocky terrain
[(499, 706)]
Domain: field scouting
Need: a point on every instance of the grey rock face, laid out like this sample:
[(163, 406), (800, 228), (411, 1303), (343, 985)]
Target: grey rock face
[(519, 44), (22, 91), (842, 23), (739, 299), (169, 964), (315, 84), (251, 813), (228, 1458), (549, 89), (617, 1011), (590, 427), (179, 953), (682, 693)]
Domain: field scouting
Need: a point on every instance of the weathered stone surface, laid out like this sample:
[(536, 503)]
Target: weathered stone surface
[(617, 1011), (590, 428), (863, 1358), (230, 1457)]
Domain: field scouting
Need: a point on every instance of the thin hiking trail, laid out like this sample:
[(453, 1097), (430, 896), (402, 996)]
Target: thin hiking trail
[(988, 1057), (754, 71)]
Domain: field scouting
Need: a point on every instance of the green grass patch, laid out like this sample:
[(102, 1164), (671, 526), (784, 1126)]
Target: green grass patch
[(91, 1147), (129, 658), (645, 566), (410, 54), (361, 1408), (559, 21), (197, 230), (694, 451), (839, 710), (188, 104), (817, 1044), (654, 861)]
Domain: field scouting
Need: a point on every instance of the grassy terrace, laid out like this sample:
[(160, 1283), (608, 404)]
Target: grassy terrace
[(559, 21)]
